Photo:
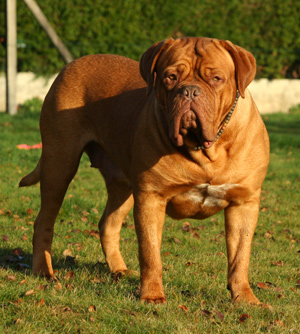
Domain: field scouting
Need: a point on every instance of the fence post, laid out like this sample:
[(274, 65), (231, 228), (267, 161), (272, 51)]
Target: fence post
[(11, 56)]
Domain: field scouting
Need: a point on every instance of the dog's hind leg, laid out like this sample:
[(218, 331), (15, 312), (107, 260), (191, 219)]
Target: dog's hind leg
[(119, 203), (58, 166)]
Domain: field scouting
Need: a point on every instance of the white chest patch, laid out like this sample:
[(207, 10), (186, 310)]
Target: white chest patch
[(208, 195)]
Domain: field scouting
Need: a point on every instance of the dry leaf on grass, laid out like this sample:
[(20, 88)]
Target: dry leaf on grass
[(183, 308), (189, 263), (166, 254), (5, 237), (186, 227), (67, 309), (42, 287), (269, 235), (206, 313), (275, 323), (41, 302), (17, 302), (97, 280), (29, 211), (278, 263), (262, 286), (196, 235), (67, 252), (220, 254), (92, 308), (29, 292), (5, 212), (266, 306), (18, 321), (17, 251), (70, 274), (95, 234), (219, 315), (244, 317), (70, 286)]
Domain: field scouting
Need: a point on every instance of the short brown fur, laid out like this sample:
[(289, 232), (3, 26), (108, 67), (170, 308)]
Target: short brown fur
[(143, 139)]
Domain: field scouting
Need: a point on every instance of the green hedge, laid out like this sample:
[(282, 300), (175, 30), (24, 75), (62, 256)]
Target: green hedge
[(268, 28)]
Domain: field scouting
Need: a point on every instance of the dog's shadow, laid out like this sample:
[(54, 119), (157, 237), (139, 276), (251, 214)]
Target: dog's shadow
[(16, 261)]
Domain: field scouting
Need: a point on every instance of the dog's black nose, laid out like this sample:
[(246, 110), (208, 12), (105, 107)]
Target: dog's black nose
[(190, 92)]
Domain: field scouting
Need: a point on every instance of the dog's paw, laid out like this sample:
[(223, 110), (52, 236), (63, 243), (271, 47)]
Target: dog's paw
[(157, 300), (45, 273), (152, 290), (116, 276), (121, 273), (246, 296), (243, 293)]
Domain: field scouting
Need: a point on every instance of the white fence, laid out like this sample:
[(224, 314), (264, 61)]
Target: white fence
[(270, 95)]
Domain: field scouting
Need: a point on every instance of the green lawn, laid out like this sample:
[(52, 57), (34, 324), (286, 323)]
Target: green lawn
[(88, 300)]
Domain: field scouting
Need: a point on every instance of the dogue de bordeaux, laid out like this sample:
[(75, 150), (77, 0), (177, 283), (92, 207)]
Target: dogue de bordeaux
[(177, 133)]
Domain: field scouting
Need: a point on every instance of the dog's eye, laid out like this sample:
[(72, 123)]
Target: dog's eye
[(216, 78), (172, 77)]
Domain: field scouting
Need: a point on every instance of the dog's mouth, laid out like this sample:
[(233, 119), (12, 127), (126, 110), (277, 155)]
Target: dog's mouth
[(192, 127), (191, 131)]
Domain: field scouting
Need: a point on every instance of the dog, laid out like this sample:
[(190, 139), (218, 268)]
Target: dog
[(177, 133)]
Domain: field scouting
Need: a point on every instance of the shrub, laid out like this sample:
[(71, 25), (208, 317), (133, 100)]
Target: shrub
[(269, 29), (295, 109)]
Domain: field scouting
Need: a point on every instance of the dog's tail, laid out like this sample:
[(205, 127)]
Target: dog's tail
[(31, 178)]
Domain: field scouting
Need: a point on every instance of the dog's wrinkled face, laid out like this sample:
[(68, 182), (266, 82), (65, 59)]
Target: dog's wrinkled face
[(195, 81)]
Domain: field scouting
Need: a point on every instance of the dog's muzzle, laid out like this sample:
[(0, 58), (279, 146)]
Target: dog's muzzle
[(192, 115)]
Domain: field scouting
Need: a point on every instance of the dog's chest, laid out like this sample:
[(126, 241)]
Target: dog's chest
[(209, 195), (200, 201)]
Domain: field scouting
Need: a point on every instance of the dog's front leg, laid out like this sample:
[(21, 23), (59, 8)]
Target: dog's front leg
[(149, 215), (240, 223)]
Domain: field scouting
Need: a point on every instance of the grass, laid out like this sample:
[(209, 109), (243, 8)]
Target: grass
[(88, 300)]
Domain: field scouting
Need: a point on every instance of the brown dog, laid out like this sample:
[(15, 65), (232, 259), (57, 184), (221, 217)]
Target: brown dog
[(185, 145)]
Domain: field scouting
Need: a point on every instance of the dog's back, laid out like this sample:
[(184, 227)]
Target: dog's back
[(84, 87)]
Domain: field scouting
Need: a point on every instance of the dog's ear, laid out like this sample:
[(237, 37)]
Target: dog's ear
[(149, 60), (245, 65)]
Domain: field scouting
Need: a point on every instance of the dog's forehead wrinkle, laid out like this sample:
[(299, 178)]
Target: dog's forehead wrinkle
[(197, 53), (191, 54), (199, 48)]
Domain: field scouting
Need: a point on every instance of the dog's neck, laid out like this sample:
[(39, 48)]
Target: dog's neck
[(222, 126)]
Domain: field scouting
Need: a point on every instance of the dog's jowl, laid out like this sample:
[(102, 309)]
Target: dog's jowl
[(176, 133)]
